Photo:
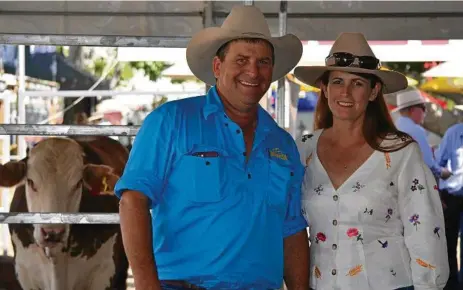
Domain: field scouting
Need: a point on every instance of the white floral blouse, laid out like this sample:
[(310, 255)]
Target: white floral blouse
[(382, 229)]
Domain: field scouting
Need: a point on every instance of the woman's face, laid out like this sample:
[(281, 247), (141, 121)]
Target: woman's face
[(348, 95)]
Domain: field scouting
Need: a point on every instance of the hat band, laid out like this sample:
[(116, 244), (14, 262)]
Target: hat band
[(345, 59)]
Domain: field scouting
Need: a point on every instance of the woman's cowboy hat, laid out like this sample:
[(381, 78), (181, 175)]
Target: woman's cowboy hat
[(242, 22), (356, 45), (409, 98)]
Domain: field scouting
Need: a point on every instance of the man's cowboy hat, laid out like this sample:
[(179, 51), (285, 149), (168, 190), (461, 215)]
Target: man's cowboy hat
[(346, 46), (242, 22), (409, 98)]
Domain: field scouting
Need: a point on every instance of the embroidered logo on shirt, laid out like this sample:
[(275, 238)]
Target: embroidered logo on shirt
[(425, 264), (276, 153), (355, 271)]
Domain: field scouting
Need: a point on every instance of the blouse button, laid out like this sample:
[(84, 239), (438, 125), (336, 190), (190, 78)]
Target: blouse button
[(335, 197), (335, 222), (333, 272), (334, 247)]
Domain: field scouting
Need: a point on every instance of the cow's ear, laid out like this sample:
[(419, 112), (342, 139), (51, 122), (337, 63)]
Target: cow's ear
[(12, 173), (100, 178)]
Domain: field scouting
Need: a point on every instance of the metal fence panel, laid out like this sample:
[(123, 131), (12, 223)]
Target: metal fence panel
[(58, 218), (68, 130)]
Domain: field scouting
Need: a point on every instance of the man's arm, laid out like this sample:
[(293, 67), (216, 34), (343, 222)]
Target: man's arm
[(296, 259), (135, 222)]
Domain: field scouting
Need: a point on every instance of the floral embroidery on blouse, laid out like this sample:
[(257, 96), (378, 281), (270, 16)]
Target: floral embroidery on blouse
[(358, 186), (393, 272), (355, 271), (383, 244), (318, 189), (436, 231), (416, 185), (389, 214), (425, 264), (320, 237), (414, 219), (388, 160), (318, 273), (354, 233), (370, 212)]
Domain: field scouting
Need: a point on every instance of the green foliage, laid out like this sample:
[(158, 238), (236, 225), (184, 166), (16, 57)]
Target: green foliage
[(156, 103)]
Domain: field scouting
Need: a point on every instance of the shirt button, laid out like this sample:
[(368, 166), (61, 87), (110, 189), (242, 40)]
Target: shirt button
[(334, 246), (335, 197), (333, 272), (335, 222), (238, 131), (244, 153), (249, 175), (208, 163), (292, 173), (226, 124)]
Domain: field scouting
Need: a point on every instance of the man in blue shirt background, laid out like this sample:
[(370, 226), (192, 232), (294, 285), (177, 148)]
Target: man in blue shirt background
[(450, 155), (221, 178)]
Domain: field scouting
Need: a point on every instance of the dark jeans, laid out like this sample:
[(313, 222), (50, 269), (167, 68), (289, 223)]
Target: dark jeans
[(452, 227)]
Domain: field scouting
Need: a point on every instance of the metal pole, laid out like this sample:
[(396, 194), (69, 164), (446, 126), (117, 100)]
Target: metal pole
[(208, 21), (280, 102), (5, 158), (21, 104)]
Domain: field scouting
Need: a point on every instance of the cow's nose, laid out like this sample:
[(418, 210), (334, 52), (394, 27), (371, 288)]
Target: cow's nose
[(52, 235)]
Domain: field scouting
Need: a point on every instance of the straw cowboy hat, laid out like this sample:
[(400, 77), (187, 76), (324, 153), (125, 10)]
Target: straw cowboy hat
[(351, 53), (242, 22), (409, 98)]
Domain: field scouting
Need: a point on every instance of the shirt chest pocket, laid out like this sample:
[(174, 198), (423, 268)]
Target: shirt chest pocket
[(281, 173), (202, 173)]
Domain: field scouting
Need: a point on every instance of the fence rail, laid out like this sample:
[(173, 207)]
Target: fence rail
[(58, 218), (68, 130)]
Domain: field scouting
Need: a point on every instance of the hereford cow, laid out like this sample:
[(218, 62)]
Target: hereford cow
[(67, 175)]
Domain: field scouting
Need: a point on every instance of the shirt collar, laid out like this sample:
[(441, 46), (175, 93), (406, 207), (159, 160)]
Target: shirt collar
[(214, 105)]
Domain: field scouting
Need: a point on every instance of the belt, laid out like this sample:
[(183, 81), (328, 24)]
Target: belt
[(182, 284)]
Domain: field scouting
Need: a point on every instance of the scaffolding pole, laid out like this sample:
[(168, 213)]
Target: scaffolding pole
[(280, 107)]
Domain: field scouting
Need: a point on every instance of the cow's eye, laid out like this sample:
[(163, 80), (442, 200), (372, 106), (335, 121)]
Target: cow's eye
[(31, 184)]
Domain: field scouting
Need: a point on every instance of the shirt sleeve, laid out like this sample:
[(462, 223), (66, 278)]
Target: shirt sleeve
[(422, 216), (151, 156), (294, 220), (419, 136), (442, 153)]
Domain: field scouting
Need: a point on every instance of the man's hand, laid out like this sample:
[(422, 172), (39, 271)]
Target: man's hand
[(445, 173)]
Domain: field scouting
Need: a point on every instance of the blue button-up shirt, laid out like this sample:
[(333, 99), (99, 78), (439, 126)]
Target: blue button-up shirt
[(218, 221), (450, 155), (418, 133)]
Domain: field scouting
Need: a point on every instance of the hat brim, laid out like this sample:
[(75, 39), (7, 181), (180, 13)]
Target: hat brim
[(392, 81), (203, 47), (409, 104)]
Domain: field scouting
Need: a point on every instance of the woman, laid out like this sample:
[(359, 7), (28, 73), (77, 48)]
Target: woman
[(375, 217)]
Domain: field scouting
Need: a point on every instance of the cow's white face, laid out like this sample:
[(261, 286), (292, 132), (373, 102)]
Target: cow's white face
[(54, 181)]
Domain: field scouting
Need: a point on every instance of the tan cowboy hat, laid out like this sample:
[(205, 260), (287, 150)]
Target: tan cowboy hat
[(362, 60), (409, 98), (242, 22)]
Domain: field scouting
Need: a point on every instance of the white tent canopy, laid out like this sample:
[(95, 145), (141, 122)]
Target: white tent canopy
[(450, 69)]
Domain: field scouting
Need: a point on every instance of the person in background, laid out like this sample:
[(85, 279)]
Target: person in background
[(221, 178), (376, 220), (450, 154), (412, 108)]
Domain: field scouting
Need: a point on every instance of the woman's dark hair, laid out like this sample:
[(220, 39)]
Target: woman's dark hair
[(378, 124)]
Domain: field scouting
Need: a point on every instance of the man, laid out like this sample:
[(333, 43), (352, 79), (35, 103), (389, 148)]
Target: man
[(221, 178), (412, 108), (450, 154)]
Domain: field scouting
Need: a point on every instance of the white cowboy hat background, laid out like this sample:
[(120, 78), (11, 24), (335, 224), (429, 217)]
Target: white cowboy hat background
[(356, 44), (409, 98), (242, 22)]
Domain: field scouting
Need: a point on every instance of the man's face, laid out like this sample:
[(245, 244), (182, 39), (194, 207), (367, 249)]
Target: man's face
[(245, 73), (418, 113)]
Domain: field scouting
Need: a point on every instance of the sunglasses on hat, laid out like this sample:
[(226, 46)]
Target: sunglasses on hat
[(345, 59)]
